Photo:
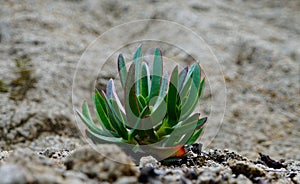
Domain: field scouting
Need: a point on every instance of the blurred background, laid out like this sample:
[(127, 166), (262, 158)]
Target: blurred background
[(256, 42)]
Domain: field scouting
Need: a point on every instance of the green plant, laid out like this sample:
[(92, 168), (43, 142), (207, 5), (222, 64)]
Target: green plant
[(155, 110)]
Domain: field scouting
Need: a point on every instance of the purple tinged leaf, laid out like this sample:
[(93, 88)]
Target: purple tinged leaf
[(112, 94), (193, 97)]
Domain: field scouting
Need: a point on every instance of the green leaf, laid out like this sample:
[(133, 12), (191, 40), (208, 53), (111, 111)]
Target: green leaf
[(91, 125), (118, 112), (201, 122), (163, 90), (163, 131), (97, 138), (145, 80), (202, 84), (122, 69), (188, 122), (137, 59), (181, 79), (194, 137), (183, 131), (112, 94), (185, 89), (172, 96), (142, 101), (86, 112), (157, 70), (139, 124), (116, 122), (101, 111), (193, 97), (198, 131), (131, 102), (190, 103), (158, 112)]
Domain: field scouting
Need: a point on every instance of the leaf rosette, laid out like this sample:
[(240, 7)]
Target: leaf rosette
[(157, 115)]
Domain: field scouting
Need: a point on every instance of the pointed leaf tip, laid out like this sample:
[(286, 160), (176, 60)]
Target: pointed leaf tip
[(157, 71), (110, 88), (122, 69)]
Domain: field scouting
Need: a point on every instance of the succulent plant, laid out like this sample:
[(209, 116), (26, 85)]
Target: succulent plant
[(157, 110)]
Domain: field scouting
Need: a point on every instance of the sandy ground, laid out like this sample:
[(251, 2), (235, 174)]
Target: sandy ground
[(257, 45)]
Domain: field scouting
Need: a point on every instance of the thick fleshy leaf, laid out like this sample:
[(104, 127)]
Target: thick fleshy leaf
[(86, 112), (197, 131), (157, 70), (91, 125), (188, 122), (182, 133), (145, 80), (118, 112), (97, 138), (139, 126), (116, 122), (194, 137), (101, 111), (189, 104), (158, 112), (109, 89), (112, 94), (131, 102), (142, 102), (181, 79), (159, 105), (163, 131), (201, 88), (201, 122), (137, 59), (122, 69), (163, 89), (172, 96), (185, 89), (192, 99)]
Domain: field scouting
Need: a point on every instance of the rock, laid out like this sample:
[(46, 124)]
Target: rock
[(147, 174), (38, 168), (246, 168), (296, 179), (148, 161), (55, 142), (102, 165), (3, 155), (210, 175), (241, 179), (11, 173), (223, 156), (126, 180)]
